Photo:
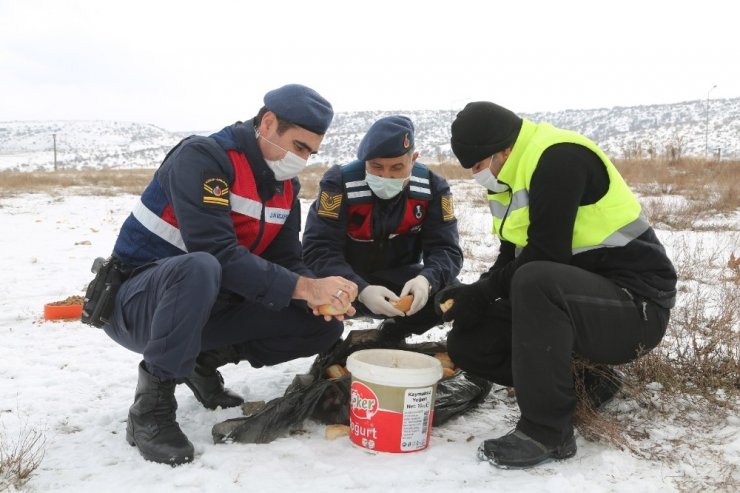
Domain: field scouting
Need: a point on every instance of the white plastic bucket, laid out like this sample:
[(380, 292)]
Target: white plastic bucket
[(392, 399)]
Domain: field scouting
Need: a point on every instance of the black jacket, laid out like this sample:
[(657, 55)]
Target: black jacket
[(567, 176), (178, 185)]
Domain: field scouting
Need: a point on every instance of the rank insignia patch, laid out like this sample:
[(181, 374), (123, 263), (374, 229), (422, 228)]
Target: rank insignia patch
[(329, 204), (215, 192), (448, 210)]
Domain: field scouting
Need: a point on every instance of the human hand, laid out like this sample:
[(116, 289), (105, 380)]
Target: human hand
[(419, 287), (332, 295), (470, 303), (378, 300)]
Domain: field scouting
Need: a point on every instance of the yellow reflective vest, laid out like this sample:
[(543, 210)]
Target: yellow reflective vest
[(612, 221)]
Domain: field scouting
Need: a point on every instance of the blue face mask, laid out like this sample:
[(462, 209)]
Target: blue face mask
[(385, 188)]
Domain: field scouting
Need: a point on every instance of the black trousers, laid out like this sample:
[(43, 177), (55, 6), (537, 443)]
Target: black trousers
[(555, 311), (172, 311)]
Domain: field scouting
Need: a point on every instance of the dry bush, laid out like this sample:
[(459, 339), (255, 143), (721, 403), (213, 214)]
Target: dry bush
[(451, 170), (700, 351), (310, 179), (710, 186), (671, 216), (592, 424), (19, 458), (694, 260)]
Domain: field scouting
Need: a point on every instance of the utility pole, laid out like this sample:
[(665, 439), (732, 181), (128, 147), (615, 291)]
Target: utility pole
[(706, 128), (54, 136)]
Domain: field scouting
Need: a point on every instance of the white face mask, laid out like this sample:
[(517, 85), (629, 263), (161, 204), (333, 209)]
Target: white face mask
[(288, 167), (488, 180), (385, 188)]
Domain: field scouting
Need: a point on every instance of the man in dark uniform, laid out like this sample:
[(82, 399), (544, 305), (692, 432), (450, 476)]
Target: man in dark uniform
[(216, 272), (580, 272), (387, 223)]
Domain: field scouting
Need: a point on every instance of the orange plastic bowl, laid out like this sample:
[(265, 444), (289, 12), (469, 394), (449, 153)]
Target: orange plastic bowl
[(62, 312)]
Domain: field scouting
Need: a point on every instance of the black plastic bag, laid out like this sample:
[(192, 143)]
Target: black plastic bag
[(314, 396)]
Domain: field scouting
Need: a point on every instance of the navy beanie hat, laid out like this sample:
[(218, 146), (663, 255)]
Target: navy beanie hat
[(482, 129), (300, 105), (391, 136)]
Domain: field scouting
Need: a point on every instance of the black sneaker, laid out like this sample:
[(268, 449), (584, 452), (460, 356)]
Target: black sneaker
[(517, 450)]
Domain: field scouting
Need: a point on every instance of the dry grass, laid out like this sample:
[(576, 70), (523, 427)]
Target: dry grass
[(310, 178), (700, 352), (83, 182), (709, 187), (118, 181), (20, 457)]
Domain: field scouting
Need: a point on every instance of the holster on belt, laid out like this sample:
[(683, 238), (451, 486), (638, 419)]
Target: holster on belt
[(101, 292)]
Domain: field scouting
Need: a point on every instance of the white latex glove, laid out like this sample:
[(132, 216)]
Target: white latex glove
[(419, 287), (376, 298)]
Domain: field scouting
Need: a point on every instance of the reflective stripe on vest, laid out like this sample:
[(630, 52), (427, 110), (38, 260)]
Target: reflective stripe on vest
[(256, 224), (620, 237), (356, 189), (158, 226), (613, 221), (360, 202), (246, 212)]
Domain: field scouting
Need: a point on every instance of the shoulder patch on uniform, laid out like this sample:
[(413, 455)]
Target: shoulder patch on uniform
[(329, 204), (448, 209), (215, 192)]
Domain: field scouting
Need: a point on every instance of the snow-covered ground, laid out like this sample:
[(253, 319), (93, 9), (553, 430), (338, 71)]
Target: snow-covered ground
[(73, 384)]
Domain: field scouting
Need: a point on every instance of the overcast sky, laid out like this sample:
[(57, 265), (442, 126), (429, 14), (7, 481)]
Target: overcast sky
[(190, 65)]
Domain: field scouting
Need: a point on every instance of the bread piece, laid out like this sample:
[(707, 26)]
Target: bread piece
[(444, 358), (253, 407), (404, 303), (336, 371), (329, 309), (333, 432), (446, 305)]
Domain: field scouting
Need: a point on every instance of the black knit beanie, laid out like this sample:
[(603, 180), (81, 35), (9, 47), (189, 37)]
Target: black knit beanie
[(482, 129)]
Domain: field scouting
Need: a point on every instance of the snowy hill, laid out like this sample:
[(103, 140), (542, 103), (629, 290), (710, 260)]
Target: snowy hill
[(678, 129), (29, 145)]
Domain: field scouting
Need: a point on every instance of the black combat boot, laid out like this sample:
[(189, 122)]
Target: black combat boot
[(151, 422), (207, 383)]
